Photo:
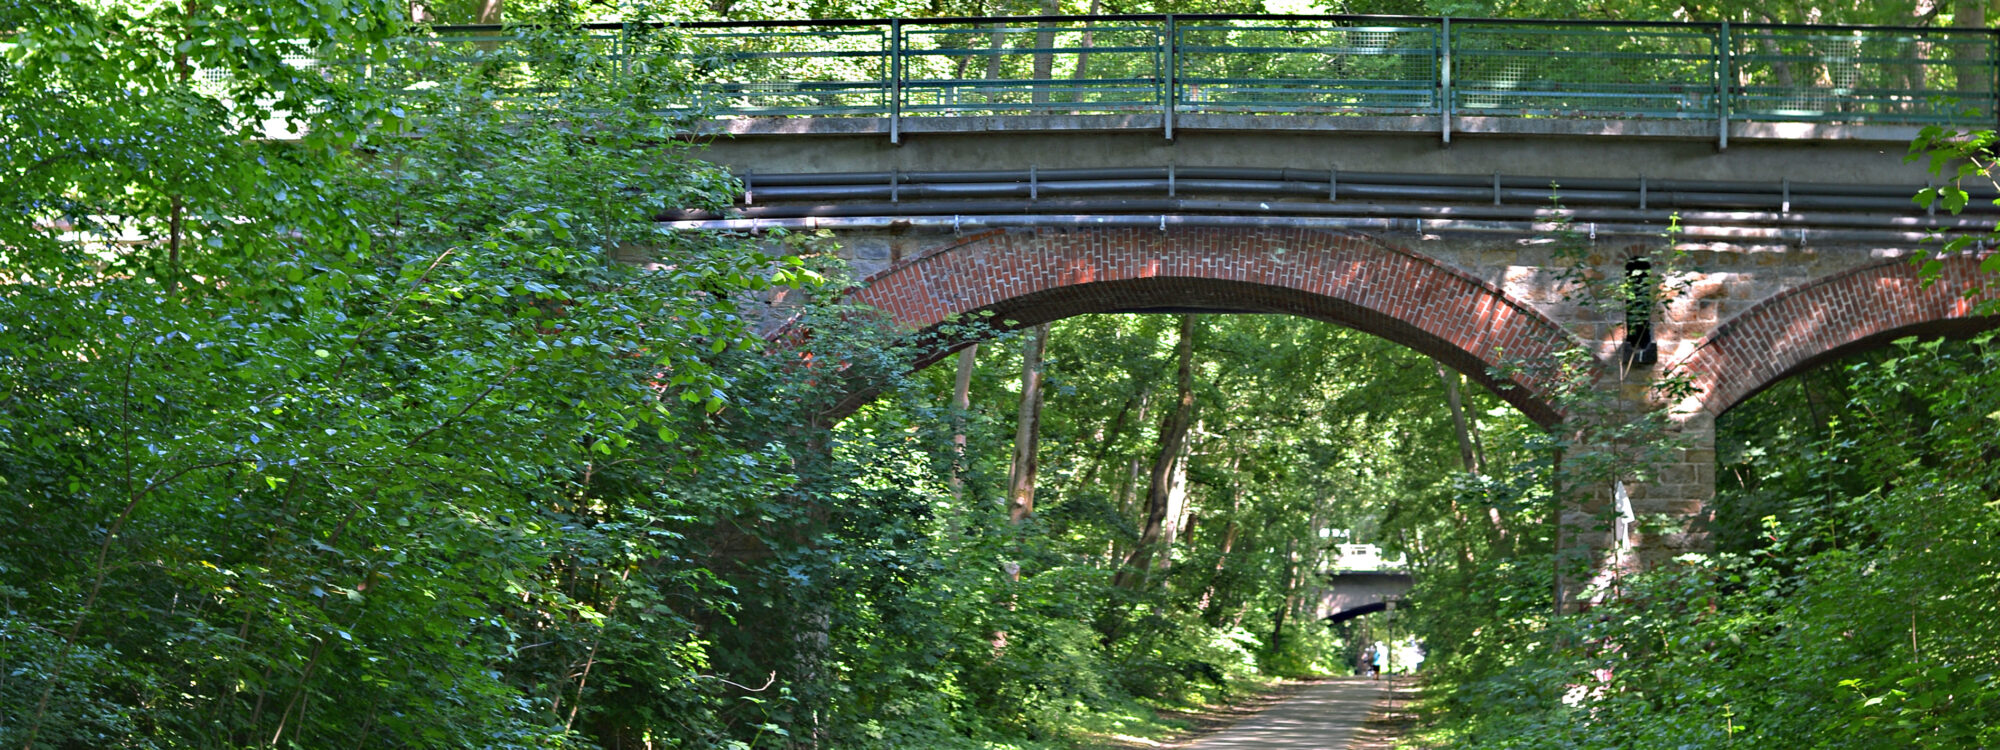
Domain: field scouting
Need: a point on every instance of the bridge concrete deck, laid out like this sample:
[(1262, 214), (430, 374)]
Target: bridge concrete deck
[(1661, 150)]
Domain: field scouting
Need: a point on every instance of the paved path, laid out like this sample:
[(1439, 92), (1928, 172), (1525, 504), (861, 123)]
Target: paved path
[(1324, 716)]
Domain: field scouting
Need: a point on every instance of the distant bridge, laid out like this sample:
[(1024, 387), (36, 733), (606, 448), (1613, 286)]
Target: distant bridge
[(1353, 593), (1361, 583)]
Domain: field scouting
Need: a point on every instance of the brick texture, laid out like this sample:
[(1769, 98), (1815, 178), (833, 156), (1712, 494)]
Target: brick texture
[(1031, 277), (1749, 317), (1843, 312)]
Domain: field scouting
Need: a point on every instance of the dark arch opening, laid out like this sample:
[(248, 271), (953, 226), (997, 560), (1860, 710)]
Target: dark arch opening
[(1349, 614)]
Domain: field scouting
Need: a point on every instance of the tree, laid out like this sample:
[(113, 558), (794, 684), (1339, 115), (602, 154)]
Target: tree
[(961, 402), (1173, 435), (1027, 430), (374, 418)]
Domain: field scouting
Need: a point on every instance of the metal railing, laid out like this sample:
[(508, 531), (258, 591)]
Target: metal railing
[(1311, 65)]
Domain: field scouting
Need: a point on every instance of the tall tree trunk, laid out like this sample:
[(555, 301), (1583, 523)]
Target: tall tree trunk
[(1083, 54), (1172, 433), (1975, 79), (1206, 605), (1211, 601), (1466, 455), (1045, 62), (1027, 438), (1129, 486), (1782, 69), (1817, 405), (177, 206), (1469, 456), (1478, 445), (961, 405), (1971, 14), (1285, 606), (1263, 532), (1176, 511), (1027, 428), (1108, 438), (487, 12), (1920, 48), (997, 46), (1557, 538)]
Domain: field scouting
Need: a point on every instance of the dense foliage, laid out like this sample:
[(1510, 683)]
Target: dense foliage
[(1850, 597), (362, 437), (1849, 603), (1046, 627), (412, 428)]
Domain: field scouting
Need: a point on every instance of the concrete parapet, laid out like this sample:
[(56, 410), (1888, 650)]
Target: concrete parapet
[(1153, 123)]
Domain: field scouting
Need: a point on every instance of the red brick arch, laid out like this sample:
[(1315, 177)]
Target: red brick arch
[(1830, 317), (1033, 277)]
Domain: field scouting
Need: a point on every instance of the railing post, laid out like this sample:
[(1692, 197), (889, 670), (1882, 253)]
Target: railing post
[(1444, 79), (1170, 40), (1725, 77), (896, 81), (624, 51)]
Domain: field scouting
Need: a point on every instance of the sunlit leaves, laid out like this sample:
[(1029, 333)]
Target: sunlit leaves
[(1851, 601), (390, 430)]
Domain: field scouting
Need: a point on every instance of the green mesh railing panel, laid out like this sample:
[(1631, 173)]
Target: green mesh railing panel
[(793, 71), (1583, 71), (504, 66), (1251, 65), (1862, 76), (1280, 67), (223, 86), (1073, 68)]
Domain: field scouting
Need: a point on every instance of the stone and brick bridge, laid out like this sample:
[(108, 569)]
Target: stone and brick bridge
[(1360, 583), (1401, 176)]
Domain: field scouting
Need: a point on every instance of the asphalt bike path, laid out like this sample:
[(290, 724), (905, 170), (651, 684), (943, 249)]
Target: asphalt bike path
[(1323, 716)]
